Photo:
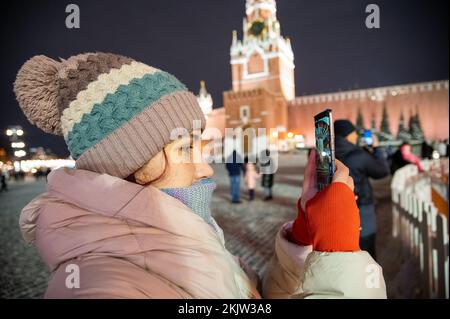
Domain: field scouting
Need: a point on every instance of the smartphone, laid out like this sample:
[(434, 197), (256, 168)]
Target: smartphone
[(324, 130), (368, 138)]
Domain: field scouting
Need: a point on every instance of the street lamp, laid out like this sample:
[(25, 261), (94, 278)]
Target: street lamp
[(14, 133)]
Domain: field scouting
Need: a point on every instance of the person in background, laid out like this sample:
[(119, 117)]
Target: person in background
[(235, 165), (267, 178), (403, 156), (447, 149), (442, 148), (4, 177), (426, 150), (362, 165), (410, 157), (397, 160), (251, 175)]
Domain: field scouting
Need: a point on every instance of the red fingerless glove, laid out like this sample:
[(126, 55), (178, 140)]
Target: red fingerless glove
[(333, 220), (300, 233)]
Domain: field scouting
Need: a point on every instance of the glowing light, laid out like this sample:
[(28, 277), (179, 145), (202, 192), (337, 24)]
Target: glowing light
[(435, 155), (52, 164), (19, 132), (17, 144), (290, 135), (275, 134), (33, 170), (9, 132), (20, 153), (394, 93)]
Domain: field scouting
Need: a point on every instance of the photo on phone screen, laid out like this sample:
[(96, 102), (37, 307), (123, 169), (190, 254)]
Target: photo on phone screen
[(368, 138), (323, 125)]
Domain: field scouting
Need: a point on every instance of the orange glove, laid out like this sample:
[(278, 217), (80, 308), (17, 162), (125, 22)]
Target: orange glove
[(300, 232), (333, 219), (330, 221)]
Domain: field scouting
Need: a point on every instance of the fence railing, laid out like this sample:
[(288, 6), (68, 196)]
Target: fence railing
[(421, 228)]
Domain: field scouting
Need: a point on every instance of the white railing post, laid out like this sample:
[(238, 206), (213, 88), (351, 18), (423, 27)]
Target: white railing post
[(420, 228)]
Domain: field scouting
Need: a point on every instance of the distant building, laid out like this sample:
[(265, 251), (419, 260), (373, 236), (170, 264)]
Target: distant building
[(204, 99), (263, 89), (427, 100)]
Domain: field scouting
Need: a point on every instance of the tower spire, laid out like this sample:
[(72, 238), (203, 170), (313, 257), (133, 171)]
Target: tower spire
[(204, 99), (253, 57)]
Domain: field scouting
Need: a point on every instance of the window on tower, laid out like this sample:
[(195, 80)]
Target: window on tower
[(244, 113), (264, 13), (255, 63)]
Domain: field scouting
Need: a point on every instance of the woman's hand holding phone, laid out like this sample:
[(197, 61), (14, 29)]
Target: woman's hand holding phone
[(331, 221)]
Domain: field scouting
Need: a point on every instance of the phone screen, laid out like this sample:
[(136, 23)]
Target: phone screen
[(323, 124), (368, 139)]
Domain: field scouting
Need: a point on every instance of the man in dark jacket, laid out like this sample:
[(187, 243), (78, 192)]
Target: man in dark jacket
[(235, 165), (362, 164), (267, 174)]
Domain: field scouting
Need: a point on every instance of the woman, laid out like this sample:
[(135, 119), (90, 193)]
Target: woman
[(404, 156), (133, 218), (267, 174), (251, 175)]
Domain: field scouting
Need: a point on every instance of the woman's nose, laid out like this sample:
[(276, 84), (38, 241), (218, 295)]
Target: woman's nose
[(203, 170)]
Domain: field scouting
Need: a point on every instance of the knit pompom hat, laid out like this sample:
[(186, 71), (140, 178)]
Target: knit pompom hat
[(115, 113)]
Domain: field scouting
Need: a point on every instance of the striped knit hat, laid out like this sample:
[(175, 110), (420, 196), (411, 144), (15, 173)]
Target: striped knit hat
[(115, 113)]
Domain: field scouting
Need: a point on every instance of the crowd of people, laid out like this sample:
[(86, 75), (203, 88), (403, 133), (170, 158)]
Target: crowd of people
[(237, 166), (17, 176)]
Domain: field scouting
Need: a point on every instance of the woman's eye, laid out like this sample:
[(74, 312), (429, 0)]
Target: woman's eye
[(186, 148)]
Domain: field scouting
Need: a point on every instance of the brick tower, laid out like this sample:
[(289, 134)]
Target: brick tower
[(262, 68)]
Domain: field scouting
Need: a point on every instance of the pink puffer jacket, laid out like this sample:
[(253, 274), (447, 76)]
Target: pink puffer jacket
[(128, 241), (124, 240)]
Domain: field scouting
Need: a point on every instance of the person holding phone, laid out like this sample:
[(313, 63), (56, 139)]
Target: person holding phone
[(363, 164), (135, 218), (318, 254)]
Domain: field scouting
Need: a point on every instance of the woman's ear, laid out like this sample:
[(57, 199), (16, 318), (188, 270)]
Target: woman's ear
[(152, 170)]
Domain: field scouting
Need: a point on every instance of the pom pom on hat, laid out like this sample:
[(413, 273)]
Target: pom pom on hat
[(36, 88)]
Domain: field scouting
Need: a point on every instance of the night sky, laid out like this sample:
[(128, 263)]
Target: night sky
[(191, 39)]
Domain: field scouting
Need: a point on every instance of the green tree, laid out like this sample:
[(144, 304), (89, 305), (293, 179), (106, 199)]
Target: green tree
[(385, 131), (415, 128), (359, 122), (403, 132)]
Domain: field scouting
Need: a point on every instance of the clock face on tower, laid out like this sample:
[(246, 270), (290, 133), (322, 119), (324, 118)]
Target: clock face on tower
[(257, 28)]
